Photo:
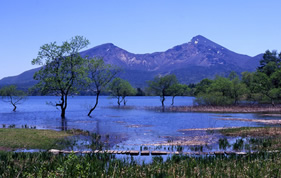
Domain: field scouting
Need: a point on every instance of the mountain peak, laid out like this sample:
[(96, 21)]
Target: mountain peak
[(201, 40), (200, 37), (107, 45)]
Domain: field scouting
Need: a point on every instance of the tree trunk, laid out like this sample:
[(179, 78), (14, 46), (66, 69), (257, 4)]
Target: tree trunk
[(62, 112), (118, 100), (97, 101), (173, 99), (124, 101), (63, 105), (272, 102), (15, 107), (162, 101)]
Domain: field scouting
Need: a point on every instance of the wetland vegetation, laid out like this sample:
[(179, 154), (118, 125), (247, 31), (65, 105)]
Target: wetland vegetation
[(45, 164)]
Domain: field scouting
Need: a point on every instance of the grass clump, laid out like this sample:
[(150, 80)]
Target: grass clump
[(30, 138)]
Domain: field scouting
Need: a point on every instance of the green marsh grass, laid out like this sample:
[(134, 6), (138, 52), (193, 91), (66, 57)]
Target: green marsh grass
[(30, 138), (45, 164)]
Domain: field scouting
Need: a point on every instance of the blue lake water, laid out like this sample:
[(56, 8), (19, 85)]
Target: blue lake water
[(137, 126)]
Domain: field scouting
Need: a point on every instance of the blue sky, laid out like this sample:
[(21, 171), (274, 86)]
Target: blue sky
[(144, 26)]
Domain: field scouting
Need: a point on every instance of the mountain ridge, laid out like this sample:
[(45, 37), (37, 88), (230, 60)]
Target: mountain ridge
[(191, 62)]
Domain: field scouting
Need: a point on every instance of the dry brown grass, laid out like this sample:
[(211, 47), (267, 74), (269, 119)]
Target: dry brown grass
[(253, 131), (264, 121), (231, 109)]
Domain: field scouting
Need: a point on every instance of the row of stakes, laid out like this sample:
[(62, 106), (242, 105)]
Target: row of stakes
[(147, 153)]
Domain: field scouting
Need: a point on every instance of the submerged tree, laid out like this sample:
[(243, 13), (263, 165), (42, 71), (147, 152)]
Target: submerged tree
[(100, 74), (178, 90), (63, 69), (11, 95), (120, 89), (159, 86)]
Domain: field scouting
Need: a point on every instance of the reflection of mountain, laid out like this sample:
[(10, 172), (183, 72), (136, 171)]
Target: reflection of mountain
[(190, 62)]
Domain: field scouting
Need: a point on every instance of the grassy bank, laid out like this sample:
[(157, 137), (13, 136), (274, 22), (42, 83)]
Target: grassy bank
[(95, 165), (11, 139)]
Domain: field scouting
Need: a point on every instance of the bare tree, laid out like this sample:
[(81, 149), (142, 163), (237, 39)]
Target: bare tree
[(100, 74), (11, 95)]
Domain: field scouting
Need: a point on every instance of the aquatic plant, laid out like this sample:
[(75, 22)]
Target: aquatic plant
[(223, 143), (238, 145)]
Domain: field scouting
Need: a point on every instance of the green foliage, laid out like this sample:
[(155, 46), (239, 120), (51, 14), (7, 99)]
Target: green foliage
[(63, 69), (265, 87), (11, 95), (120, 89), (202, 86), (221, 91), (178, 90), (268, 76), (160, 85), (252, 93), (270, 63), (262, 86)]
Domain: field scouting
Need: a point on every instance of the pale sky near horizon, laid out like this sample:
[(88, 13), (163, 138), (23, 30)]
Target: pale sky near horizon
[(244, 26)]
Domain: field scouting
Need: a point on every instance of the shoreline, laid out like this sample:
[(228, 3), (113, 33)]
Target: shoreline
[(267, 110), (225, 109)]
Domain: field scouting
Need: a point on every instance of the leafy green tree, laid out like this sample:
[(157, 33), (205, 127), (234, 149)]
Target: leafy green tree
[(159, 86), (178, 90), (251, 92), (222, 91), (222, 85), (270, 63), (268, 76), (264, 86), (63, 69), (202, 86), (218, 93), (120, 89), (11, 95), (100, 74), (238, 88)]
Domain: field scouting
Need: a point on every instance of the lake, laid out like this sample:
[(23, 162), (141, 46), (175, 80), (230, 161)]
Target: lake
[(133, 126)]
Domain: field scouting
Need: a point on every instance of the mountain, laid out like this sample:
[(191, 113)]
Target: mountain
[(190, 62)]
